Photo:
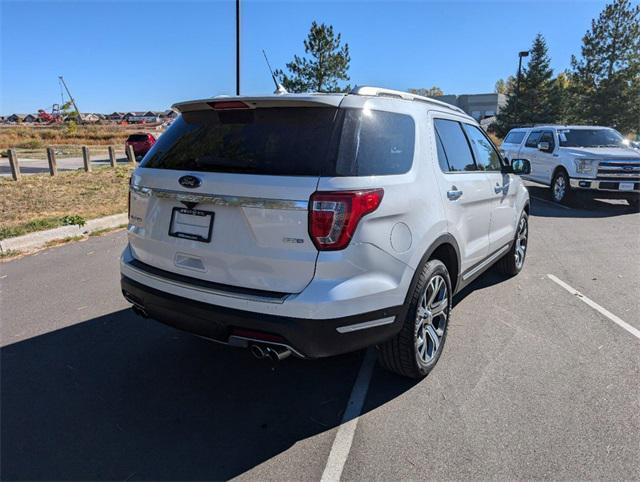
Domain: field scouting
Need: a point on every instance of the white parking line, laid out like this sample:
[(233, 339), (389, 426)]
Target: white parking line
[(623, 324), (344, 438)]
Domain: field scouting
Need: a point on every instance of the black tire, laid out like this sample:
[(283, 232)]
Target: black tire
[(511, 264), (560, 187), (402, 354)]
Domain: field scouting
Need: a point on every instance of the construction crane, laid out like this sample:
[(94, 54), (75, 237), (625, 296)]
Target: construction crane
[(73, 102)]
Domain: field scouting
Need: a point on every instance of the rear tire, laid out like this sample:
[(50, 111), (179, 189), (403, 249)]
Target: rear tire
[(416, 349), (512, 263), (561, 187)]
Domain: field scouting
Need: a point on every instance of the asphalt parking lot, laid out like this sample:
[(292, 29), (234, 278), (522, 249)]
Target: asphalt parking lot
[(535, 381)]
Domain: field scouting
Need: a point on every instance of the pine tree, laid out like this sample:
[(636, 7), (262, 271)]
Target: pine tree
[(539, 97), (329, 63), (605, 81), (540, 100)]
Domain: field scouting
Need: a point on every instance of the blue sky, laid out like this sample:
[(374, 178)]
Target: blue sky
[(125, 55)]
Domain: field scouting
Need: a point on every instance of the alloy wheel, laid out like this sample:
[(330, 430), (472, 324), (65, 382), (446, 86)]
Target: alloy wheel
[(521, 242), (559, 188), (431, 319)]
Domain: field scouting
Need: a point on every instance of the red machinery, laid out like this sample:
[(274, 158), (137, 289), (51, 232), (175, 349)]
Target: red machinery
[(50, 118)]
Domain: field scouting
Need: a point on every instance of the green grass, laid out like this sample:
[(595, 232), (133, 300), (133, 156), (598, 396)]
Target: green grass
[(9, 253), (30, 227)]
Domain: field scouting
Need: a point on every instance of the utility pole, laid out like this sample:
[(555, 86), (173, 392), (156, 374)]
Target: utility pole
[(237, 47), (524, 53)]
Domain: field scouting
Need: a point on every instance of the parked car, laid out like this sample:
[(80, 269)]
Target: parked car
[(141, 143), (319, 224), (590, 159)]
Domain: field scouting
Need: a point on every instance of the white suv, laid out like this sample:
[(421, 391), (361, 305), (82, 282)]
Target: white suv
[(319, 224), (570, 159)]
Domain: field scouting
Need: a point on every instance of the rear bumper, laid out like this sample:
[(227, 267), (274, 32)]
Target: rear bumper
[(604, 186), (309, 338)]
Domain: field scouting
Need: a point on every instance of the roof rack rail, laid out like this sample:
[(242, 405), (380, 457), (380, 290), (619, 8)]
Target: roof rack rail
[(398, 94)]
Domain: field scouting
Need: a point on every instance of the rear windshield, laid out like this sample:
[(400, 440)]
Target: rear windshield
[(514, 137), (287, 141), (137, 138)]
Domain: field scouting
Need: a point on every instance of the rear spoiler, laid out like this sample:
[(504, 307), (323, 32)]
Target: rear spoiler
[(283, 100)]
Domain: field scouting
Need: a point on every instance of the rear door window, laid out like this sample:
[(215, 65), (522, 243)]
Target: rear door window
[(454, 146), (137, 138), (533, 139), (514, 137)]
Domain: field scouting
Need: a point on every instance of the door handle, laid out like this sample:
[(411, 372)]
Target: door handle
[(454, 194), (501, 189)]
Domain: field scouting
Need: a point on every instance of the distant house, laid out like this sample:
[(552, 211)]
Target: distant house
[(141, 117), (90, 117), (115, 116), (15, 118), (30, 118), (168, 114)]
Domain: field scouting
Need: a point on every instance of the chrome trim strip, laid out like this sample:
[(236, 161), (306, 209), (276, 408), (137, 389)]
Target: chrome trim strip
[(486, 262), (225, 200), (262, 299), (365, 325)]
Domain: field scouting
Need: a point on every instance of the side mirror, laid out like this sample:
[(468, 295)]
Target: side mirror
[(521, 166), (544, 147)]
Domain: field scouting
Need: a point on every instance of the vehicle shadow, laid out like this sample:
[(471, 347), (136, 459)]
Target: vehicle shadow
[(580, 206), (120, 397)]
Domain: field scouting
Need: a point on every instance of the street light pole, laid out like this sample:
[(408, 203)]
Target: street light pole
[(237, 47), (524, 53)]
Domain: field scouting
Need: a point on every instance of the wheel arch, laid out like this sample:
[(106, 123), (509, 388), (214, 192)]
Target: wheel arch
[(446, 249)]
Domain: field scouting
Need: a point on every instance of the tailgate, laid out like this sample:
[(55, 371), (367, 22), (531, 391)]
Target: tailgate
[(257, 227)]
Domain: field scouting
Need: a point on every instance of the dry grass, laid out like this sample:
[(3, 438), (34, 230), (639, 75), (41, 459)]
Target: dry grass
[(41, 202), (37, 137)]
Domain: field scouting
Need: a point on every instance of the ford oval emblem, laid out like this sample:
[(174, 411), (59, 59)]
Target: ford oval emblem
[(190, 182)]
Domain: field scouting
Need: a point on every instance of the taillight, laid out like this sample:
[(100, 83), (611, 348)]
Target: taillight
[(334, 216)]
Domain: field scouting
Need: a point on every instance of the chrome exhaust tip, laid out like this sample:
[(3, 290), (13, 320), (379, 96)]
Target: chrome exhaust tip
[(257, 351), (277, 353)]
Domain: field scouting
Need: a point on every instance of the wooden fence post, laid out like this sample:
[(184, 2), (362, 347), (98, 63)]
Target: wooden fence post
[(130, 154), (15, 165), (112, 156), (51, 156), (86, 159)]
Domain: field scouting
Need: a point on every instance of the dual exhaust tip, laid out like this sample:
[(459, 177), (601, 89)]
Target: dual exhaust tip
[(275, 353)]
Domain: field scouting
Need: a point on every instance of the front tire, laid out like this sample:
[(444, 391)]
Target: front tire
[(560, 187), (416, 349)]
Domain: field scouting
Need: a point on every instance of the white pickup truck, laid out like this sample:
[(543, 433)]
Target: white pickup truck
[(578, 158)]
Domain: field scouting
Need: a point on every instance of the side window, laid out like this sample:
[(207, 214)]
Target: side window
[(454, 146), (514, 137), (547, 136), (442, 156), (487, 158), (533, 139)]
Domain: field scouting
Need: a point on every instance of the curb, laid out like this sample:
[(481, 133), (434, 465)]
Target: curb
[(41, 238)]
